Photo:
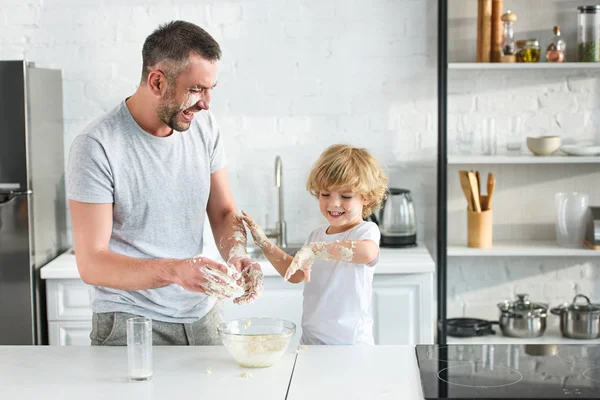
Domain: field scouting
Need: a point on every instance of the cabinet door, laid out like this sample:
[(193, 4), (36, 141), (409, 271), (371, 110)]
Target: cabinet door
[(403, 309), (279, 300), (68, 299), (69, 333)]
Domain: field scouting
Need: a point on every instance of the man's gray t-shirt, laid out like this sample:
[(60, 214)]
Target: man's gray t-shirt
[(159, 187)]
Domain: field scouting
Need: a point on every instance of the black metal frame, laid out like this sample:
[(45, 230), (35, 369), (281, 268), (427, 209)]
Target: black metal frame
[(442, 166)]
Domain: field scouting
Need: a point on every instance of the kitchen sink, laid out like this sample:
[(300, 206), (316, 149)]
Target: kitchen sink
[(256, 253)]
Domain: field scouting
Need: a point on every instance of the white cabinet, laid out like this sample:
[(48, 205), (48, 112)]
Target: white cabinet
[(68, 300), (68, 304), (402, 299), (69, 333), (402, 308), (70, 314)]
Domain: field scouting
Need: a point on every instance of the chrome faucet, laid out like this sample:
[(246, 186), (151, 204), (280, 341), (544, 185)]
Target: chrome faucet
[(280, 232)]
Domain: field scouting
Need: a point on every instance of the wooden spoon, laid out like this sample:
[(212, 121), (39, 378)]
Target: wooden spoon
[(475, 191), (466, 188), (479, 189), (491, 185)]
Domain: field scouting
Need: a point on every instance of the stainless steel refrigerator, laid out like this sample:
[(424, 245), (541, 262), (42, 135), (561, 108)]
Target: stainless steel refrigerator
[(32, 196)]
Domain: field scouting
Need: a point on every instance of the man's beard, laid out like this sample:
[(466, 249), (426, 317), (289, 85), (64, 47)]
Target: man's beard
[(168, 113)]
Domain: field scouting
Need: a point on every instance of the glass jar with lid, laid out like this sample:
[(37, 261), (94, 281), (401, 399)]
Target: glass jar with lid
[(588, 33), (507, 51), (528, 50)]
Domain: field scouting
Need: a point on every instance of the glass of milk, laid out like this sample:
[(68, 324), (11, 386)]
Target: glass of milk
[(139, 348)]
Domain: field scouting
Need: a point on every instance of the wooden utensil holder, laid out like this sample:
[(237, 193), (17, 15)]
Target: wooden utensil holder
[(479, 229)]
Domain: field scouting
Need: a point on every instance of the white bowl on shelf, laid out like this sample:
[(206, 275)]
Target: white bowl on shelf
[(580, 150), (543, 145)]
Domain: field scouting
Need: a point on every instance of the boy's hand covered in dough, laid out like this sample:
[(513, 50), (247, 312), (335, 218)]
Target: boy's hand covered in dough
[(258, 235), (303, 260)]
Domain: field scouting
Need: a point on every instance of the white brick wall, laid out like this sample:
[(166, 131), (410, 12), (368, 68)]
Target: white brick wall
[(297, 76)]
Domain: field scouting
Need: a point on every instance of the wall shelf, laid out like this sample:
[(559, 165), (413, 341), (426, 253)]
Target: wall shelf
[(551, 336), (457, 159), (523, 66), (520, 248), (449, 248)]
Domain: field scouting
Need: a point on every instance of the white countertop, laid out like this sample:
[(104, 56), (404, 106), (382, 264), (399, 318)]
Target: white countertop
[(320, 372), (356, 372), (414, 260), (93, 372)]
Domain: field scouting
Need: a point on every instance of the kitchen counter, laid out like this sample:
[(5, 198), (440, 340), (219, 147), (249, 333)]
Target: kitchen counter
[(92, 372), (320, 372), (414, 260), (356, 372)]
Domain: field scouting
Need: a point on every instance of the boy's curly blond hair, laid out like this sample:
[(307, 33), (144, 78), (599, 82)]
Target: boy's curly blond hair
[(345, 166)]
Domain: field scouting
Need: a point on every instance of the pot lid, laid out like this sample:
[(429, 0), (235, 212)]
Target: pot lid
[(588, 9), (396, 191), (523, 306), (583, 307)]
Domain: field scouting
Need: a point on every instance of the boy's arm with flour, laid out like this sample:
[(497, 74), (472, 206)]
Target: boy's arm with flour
[(298, 268), (351, 251), (277, 257)]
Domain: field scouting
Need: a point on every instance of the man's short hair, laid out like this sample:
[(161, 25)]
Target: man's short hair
[(170, 46)]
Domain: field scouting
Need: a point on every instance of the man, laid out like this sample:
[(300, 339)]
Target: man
[(140, 181)]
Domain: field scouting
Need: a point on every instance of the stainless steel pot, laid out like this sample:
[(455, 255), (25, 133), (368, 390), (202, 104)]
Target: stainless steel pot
[(579, 321), (522, 318)]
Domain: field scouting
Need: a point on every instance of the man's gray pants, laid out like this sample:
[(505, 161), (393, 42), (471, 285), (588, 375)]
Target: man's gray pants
[(110, 329)]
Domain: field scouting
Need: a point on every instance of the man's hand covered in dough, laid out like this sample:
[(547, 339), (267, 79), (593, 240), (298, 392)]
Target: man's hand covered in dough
[(251, 280), (202, 274)]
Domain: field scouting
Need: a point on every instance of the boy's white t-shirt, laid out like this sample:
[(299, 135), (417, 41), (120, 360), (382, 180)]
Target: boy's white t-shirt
[(337, 300)]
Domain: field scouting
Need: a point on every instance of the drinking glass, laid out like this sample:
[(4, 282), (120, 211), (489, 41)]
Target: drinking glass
[(514, 138), (489, 141), (465, 135), (139, 348)]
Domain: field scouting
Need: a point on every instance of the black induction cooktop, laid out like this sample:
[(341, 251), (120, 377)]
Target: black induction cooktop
[(510, 371)]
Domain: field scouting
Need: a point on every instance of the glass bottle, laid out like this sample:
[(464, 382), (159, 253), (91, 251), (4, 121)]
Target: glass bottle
[(588, 33), (508, 37), (557, 47)]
